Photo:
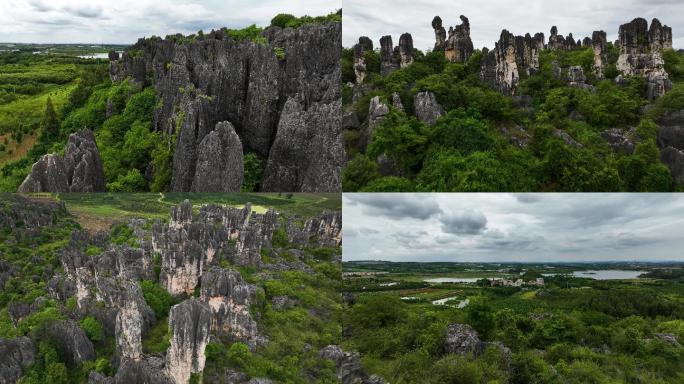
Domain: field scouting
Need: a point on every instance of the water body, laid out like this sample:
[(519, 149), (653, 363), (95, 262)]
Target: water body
[(608, 274), (461, 304), (453, 280), (96, 56)]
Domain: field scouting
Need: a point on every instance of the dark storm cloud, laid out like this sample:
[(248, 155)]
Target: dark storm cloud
[(467, 222), (397, 206)]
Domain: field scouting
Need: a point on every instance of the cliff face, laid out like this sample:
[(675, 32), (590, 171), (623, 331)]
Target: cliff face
[(215, 79)]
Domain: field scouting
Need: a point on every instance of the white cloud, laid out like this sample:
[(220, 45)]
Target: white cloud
[(487, 18), (511, 227), (124, 21)]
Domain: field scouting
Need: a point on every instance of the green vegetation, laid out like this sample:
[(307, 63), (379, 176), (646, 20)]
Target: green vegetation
[(489, 142), (571, 329), (158, 298), (285, 20)]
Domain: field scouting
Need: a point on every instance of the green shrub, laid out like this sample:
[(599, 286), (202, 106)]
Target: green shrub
[(93, 329), (158, 298)]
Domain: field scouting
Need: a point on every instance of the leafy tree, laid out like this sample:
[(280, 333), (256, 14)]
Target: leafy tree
[(49, 125), (158, 298), (358, 173), (481, 317), (253, 168), (93, 329)]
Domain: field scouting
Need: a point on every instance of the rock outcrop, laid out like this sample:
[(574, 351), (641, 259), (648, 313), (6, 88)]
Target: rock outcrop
[(219, 161), (72, 342), (621, 141), (405, 50), (440, 34), (459, 46), (324, 230), (214, 78), (598, 44), (426, 108), (17, 354), (463, 340), (640, 54), (348, 365), (559, 43), (499, 66), (671, 143), (377, 110), (229, 297), (78, 170), (388, 63), (190, 323), (304, 157), (365, 44)]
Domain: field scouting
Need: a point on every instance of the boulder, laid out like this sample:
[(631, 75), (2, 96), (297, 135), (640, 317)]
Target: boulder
[(72, 342), (78, 170), (462, 339), (348, 365), (426, 108), (621, 141)]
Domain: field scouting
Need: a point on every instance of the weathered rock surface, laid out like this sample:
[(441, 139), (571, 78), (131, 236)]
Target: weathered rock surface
[(440, 34), (190, 323), (463, 340), (17, 354), (78, 170), (150, 371), (388, 63), (229, 297), (348, 365), (365, 44), (621, 141), (671, 143), (673, 158), (598, 44), (377, 110), (405, 50), (325, 230), (216, 79), (499, 66), (71, 340), (303, 156), (426, 108), (640, 54), (219, 161), (459, 46)]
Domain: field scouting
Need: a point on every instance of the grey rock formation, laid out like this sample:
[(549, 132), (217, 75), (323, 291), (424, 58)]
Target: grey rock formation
[(304, 157), (459, 46), (440, 34), (216, 78), (587, 41), (78, 170), (598, 44), (229, 297), (671, 142), (426, 108), (499, 66), (462, 339), (151, 370), (396, 101), (348, 365), (388, 63), (364, 44), (376, 112), (281, 303), (97, 378), (190, 323), (640, 54), (567, 139), (668, 338), (72, 342), (17, 354), (621, 141), (324, 230), (405, 50), (576, 78), (219, 161)]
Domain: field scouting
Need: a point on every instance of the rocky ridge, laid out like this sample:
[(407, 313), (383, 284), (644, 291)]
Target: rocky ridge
[(276, 95), (78, 170)]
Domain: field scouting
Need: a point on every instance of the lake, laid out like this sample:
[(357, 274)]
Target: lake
[(608, 274), (95, 56), (461, 304)]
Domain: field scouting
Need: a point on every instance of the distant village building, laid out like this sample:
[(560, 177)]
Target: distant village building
[(515, 282)]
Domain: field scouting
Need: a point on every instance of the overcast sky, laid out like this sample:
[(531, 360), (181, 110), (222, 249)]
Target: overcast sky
[(488, 17), (124, 21), (513, 227)]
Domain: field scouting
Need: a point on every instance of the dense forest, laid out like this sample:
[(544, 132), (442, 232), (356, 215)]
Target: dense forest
[(46, 97), (570, 330), (548, 138)]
